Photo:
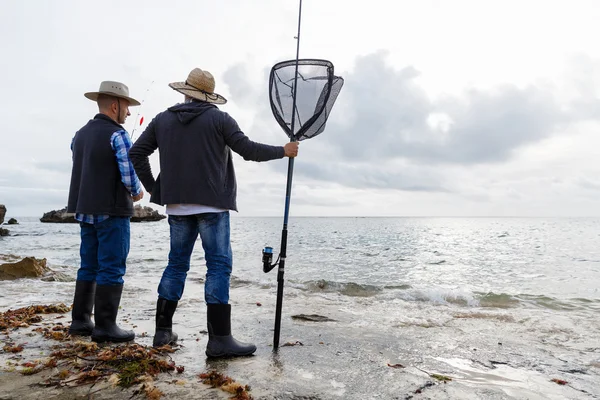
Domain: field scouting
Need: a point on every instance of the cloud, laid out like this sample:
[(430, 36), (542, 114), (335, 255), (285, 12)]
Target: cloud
[(426, 126), (385, 132), (24, 179), (31, 201), (61, 167), (384, 114), (398, 176), (590, 184), (27, 189)]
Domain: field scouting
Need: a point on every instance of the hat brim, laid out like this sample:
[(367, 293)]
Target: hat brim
[(194, 93), (94, 96)]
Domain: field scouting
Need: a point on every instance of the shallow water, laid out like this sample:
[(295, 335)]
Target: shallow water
[(501, 305)]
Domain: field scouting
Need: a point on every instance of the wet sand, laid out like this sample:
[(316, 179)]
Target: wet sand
[(488, 354)]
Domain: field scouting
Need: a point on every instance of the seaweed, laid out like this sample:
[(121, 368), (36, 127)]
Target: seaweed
[(23, 317), (227, 384)]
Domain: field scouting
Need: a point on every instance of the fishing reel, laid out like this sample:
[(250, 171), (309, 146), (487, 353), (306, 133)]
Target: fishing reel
[(267, 259)]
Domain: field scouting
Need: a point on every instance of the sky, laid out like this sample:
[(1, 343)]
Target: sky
[(449, 108)]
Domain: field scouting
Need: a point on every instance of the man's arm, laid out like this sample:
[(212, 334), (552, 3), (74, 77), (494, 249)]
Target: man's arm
[(139, 153), (241, 144), (121, 143)]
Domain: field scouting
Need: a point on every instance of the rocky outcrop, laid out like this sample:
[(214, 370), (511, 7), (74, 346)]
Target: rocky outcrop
[(58, 216), (140, 214), (12, 221), (2, 213), (31, 267), (3, 232), (146, 214)]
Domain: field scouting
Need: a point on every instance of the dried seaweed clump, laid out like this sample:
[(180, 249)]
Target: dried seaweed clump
[(58, 332), (227, 384), (82, 363), (23, 317)]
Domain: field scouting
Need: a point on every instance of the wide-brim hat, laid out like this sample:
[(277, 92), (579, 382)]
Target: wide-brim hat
[(199, 85), (115, 89)]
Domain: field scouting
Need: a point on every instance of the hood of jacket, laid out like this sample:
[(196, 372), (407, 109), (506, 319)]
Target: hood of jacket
[(187, 112)]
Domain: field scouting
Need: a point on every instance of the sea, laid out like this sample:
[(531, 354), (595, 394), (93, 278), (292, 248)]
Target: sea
[(508, 308)]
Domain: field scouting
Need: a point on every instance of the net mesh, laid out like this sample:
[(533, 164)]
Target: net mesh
[(316, 90)]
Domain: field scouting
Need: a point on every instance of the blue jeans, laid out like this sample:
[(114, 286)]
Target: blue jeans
[(214, 233), (104, 249)]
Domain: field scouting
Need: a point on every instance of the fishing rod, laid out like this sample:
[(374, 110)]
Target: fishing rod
[(288, 195), (317, 76), (135, 124)]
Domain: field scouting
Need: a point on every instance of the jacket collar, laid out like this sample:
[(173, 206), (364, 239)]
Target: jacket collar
[(106, 118)]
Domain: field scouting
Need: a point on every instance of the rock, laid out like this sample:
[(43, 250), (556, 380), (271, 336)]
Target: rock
[(312, 317), (140, 214), (4, 232), (58, 216), (57, 277), (145, 214), (29, 267), (2, 213), (12, 221)]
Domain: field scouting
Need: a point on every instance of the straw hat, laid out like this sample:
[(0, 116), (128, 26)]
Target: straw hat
[(199, 85), (115, 89)]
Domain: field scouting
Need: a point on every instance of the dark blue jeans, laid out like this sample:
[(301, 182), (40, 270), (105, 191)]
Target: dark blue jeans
[(214, 233), (104, 249)]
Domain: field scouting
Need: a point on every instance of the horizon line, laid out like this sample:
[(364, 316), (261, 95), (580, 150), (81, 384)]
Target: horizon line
[(382, 216)]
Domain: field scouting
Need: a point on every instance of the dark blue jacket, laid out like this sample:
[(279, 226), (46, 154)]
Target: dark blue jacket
[(194, 141)]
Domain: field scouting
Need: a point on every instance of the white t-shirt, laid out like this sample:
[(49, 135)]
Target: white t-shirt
[(191, 209)]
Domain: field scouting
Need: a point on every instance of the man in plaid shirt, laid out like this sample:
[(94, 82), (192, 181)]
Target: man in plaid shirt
[(103, 188)]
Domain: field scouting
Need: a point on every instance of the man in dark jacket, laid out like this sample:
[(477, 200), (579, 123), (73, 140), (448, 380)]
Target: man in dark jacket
[(197, 184), (103, 189)]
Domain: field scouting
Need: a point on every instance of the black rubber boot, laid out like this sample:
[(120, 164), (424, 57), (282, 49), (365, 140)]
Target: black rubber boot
[(220, 341), (83, 303), (107, 307), (164, 323)]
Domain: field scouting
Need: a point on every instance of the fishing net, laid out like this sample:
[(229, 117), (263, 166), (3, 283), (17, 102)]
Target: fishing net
[(316, 89)]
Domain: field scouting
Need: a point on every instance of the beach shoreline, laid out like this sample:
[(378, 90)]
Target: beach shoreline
[(328, 360), (504, 308)]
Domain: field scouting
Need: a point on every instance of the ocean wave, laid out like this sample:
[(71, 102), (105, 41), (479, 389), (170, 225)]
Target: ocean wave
[(27, 234), (440, 296), (444, 296), (556, 304), (505, 300), (397, 287), (497, 300)]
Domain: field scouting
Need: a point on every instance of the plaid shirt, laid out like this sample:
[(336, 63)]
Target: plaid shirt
[(120, 143)]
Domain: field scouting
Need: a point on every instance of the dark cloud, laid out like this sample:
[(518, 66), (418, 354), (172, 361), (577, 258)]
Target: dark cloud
[(377, 176), (488, 126), (239, 84), (384, 116)]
